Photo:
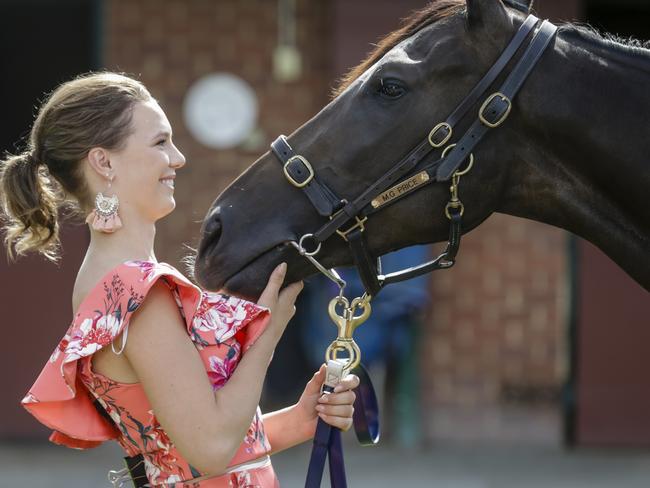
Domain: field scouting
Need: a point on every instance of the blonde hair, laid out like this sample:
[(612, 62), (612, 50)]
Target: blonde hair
[(92, 110)]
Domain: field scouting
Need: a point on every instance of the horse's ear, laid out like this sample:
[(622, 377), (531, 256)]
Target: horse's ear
[(524, 6), (487, 14)]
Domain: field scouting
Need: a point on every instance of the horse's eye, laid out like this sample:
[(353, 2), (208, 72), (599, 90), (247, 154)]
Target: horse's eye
[(391, 89)]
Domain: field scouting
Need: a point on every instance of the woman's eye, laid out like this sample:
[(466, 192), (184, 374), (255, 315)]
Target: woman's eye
[(161, 142), (391, 89)]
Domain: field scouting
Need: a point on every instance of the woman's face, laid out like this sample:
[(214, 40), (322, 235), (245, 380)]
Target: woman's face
[(145, 168)]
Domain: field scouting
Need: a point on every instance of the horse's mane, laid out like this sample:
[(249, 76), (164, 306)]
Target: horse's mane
[(591, 33), (417, 20), (441, 9)]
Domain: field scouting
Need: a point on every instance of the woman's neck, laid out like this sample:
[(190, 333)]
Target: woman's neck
[(134, 241), (584, 166)]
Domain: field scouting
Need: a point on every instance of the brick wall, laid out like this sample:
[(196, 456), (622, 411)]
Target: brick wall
[(494, 349), (171, 44)]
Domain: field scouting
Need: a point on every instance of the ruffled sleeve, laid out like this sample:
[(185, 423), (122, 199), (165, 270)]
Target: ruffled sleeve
[(58, 398), (221, 317)]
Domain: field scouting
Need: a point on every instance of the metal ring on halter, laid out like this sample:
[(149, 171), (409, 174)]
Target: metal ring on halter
[(469, 166), (330, 273), (302, 249)]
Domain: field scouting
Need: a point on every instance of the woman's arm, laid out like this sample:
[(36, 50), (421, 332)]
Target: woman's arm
[(206, 427), (285, 428)]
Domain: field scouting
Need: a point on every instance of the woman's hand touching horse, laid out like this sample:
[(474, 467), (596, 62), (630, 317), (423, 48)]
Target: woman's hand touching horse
[(280, 303)]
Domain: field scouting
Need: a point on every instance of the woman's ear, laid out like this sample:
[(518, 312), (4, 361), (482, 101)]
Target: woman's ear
[(100, 162)]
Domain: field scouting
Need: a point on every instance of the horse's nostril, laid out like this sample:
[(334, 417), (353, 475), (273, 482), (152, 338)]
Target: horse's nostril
[(213, 228)]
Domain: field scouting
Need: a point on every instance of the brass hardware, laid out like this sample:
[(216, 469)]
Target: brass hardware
[(301, 247), (400, 189), (348, 322), (346, 325), (469, 166), (435, 129), (364, 303), (455, 202), (359, 223), (487, 102), (307, 165), (347, 345), (331, 308)]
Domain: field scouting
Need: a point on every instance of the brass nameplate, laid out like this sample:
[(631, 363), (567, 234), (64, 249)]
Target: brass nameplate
[(400, 189)]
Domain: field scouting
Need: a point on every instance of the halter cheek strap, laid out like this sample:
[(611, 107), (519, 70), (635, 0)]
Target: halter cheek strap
[(300, 174)]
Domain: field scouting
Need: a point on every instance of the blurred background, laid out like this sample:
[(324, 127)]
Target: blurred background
[(525, 365)]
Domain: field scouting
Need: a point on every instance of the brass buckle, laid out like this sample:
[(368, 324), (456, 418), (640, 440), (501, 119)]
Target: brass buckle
[(436, 129), (504, 116), (358, 224), (307, 165)]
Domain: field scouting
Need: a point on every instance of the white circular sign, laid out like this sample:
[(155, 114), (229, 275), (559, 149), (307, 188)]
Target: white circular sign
[(220, 110)]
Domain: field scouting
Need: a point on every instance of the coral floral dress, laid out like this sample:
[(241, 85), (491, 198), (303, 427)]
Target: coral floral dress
[(66, 394)]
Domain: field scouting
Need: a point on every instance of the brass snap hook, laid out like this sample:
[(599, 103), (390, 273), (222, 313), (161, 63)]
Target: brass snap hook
[(346, 323), (364, 304), (344, 345)]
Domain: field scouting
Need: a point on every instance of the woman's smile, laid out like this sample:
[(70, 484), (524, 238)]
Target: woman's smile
[(168, 181)]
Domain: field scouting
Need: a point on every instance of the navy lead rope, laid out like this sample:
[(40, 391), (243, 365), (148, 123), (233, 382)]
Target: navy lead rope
[(327, 439)]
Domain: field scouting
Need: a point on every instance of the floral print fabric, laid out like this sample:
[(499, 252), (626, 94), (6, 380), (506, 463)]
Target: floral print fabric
[(221, 327)]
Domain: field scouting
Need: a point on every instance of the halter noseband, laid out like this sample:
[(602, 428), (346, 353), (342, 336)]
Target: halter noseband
[(390, 187)]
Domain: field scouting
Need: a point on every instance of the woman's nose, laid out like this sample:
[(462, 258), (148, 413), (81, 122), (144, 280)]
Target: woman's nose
[(178, 161)]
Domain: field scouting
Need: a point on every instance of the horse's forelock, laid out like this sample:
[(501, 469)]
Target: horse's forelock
[(435, 11)]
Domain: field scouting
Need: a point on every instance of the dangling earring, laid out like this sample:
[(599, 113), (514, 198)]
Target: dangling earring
[(104, 217)]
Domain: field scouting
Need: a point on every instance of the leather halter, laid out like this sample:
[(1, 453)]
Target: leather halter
[(492, 113)]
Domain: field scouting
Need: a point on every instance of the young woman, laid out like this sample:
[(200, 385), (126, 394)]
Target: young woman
[(171, 372)]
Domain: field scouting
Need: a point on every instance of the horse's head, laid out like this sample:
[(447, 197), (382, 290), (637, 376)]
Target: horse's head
[(413, 80)]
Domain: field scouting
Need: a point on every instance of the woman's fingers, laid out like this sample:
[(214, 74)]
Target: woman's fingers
[(344, 398), (336, 410), (318, 378), (343, 423), (269, 296), (285, 305), (350, 382), (287, 297)]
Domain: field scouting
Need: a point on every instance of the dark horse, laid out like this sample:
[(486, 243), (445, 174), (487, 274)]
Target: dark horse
[(573, 152)]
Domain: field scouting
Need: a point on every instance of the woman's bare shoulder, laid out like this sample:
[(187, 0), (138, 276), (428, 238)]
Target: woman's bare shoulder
[(156, 310), (89, 275), (85, 281)]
